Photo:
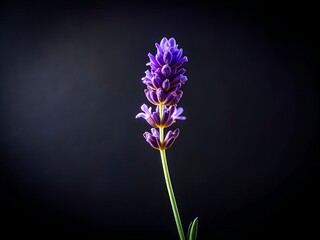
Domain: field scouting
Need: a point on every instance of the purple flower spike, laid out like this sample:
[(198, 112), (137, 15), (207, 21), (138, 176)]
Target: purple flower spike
[(165, 72), (163, 89)]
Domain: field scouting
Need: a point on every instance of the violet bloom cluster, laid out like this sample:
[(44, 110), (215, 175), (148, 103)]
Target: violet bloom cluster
[(163, 89)]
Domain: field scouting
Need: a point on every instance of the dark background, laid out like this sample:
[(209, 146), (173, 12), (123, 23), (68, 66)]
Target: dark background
[(73, 159)]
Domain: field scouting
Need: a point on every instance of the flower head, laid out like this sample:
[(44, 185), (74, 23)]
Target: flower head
[(166, 76), (163, 88)]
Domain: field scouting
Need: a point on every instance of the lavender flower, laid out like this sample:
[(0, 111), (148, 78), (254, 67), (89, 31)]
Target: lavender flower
[(165, 78), (163, 89)]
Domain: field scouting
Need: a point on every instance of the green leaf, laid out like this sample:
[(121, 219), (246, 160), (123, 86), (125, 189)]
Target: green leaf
[(193, 229)]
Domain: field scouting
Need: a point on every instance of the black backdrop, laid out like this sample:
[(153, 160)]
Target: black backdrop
[(73, 159)]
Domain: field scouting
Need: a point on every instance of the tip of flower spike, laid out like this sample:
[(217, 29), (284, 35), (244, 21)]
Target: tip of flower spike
[(163, 41), (172, 42)]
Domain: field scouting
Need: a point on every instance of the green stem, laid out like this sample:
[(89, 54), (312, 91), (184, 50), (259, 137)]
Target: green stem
[(161, 129), (171, 194), (168, 182)]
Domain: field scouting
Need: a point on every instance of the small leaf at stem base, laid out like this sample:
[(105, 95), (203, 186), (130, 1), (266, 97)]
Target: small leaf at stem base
[(193, 229)]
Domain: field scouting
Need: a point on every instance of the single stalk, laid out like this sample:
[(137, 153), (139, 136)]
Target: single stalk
[(169, 185), (171, 194)]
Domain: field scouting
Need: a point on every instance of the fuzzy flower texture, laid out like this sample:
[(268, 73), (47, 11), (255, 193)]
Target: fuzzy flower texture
[(163, 89)]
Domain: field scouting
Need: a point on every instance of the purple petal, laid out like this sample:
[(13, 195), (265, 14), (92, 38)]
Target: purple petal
[(157, 71), (183, 78), (167, 144), (178, 111), (151, 140), (146, 135), (158, 143), (141, 115), (145, 108), (151, 121), (166, 84), (180, 62), (176, 96), (166, 70), (181, 71), (165, 115), (160, 95), (156, 81), (156, 118), (159, 58), (173, 72), (146, 80), (150, 96), (172, 42), (155, 132), (163, 42), (176, 132), (181, 118), (168, 135), (175, 81), (153, 60), (170, 138), (159, 49), (176, 87), (167, 120), (169, 98), (172, 134), (179, 53), (149, 74), (153, 96), (179, 93), (171, 110), (167, 57)]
